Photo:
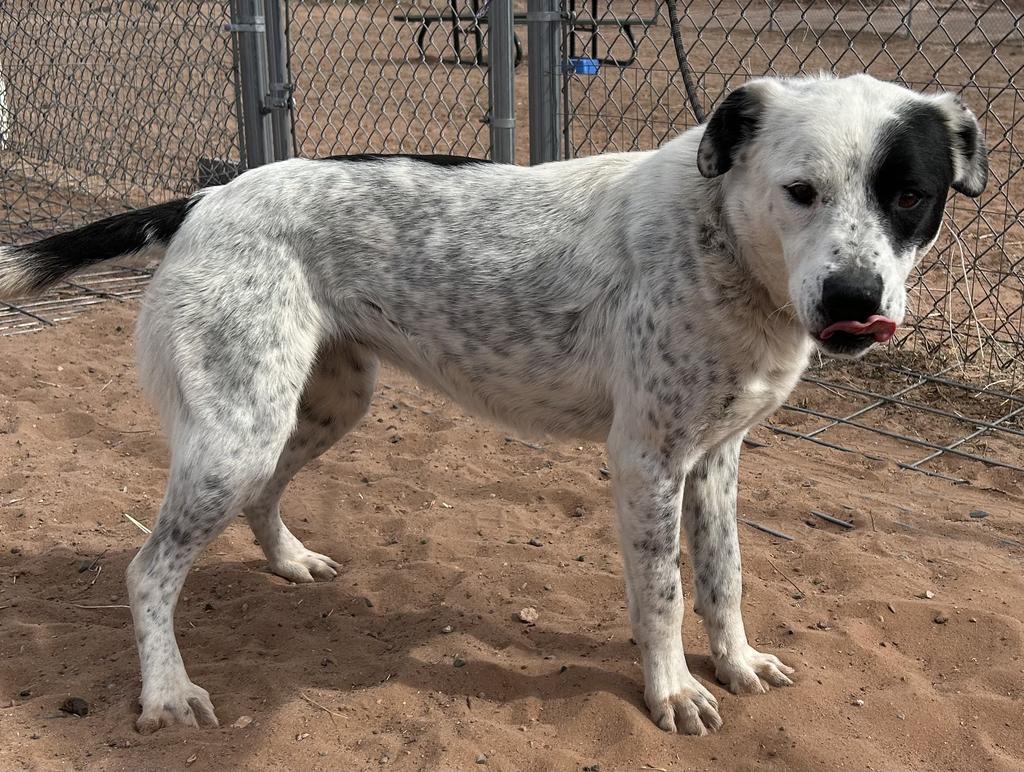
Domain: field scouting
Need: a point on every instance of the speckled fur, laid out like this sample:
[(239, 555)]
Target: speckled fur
[(662, 301)]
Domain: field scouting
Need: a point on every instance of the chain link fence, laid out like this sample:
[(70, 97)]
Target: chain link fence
[(967, 298), (109, 106), (386, 77)]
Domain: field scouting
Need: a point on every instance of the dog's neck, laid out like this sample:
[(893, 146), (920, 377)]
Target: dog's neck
[(727, 271)]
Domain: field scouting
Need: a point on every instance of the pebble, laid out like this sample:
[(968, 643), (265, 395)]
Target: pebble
[(535, 542), (823, 625), (547, 587), (458, 661), (528, 615), (76, 706), (191, 759), (940, 619), (579, 511), (927, 595), (385, 759), (858, 703), (581, 558), (892, 608), (242, 722), (592, 768), (481, 759), (978, 514), (447, 629)]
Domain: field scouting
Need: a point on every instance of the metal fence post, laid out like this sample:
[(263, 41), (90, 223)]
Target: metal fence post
[(502, 77), (544, 26), (249, 28), (279, 95)]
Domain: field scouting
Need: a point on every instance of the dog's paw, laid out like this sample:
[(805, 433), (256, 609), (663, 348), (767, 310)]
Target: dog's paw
[(688, 709), (302, 566), (752, 672), (188, 705)]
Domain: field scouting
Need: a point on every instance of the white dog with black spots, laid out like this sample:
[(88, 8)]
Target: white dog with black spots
[(664, 301)]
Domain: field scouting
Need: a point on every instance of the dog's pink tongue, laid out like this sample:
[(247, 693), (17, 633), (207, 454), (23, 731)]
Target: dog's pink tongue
[(882, 328)]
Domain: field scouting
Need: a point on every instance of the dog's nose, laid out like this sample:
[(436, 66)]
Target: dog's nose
[(851, 295)]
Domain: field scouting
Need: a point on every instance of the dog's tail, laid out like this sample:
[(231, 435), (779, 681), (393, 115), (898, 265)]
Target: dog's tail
[(31, 268)]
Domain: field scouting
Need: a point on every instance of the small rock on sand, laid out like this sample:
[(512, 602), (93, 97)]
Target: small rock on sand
[(528, 615)]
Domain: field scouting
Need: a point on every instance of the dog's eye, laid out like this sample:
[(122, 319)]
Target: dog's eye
[(908, 199), (802, 193)]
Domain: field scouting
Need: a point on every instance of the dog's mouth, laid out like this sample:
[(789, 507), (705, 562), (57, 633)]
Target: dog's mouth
[(851, 338)]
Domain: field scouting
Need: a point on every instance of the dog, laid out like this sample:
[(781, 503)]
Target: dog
[(663, 301)]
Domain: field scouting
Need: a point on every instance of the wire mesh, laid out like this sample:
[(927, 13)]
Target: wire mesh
[(966, 303), (70, 298), (383, 76), (107, 107)]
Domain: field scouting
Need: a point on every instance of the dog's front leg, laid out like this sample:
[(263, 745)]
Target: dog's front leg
[(709, 515), (648, 497)]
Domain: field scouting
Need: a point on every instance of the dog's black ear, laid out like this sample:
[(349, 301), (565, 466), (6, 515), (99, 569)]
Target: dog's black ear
[(967, 146), (733, 123)]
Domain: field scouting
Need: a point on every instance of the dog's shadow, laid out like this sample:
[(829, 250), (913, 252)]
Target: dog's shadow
[(258, 643)]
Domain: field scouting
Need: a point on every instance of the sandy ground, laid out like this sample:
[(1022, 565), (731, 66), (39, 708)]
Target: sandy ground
[(430, 512)]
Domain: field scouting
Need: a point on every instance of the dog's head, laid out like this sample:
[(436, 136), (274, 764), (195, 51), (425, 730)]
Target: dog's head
[(835, 189)]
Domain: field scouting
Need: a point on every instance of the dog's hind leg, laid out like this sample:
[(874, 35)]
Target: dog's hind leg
[(336, 397), (228, 378)]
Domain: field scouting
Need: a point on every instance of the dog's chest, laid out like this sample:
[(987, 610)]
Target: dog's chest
[(757, 395)]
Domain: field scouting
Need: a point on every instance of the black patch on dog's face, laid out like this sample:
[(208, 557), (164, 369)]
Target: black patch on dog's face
[(914, 156)]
